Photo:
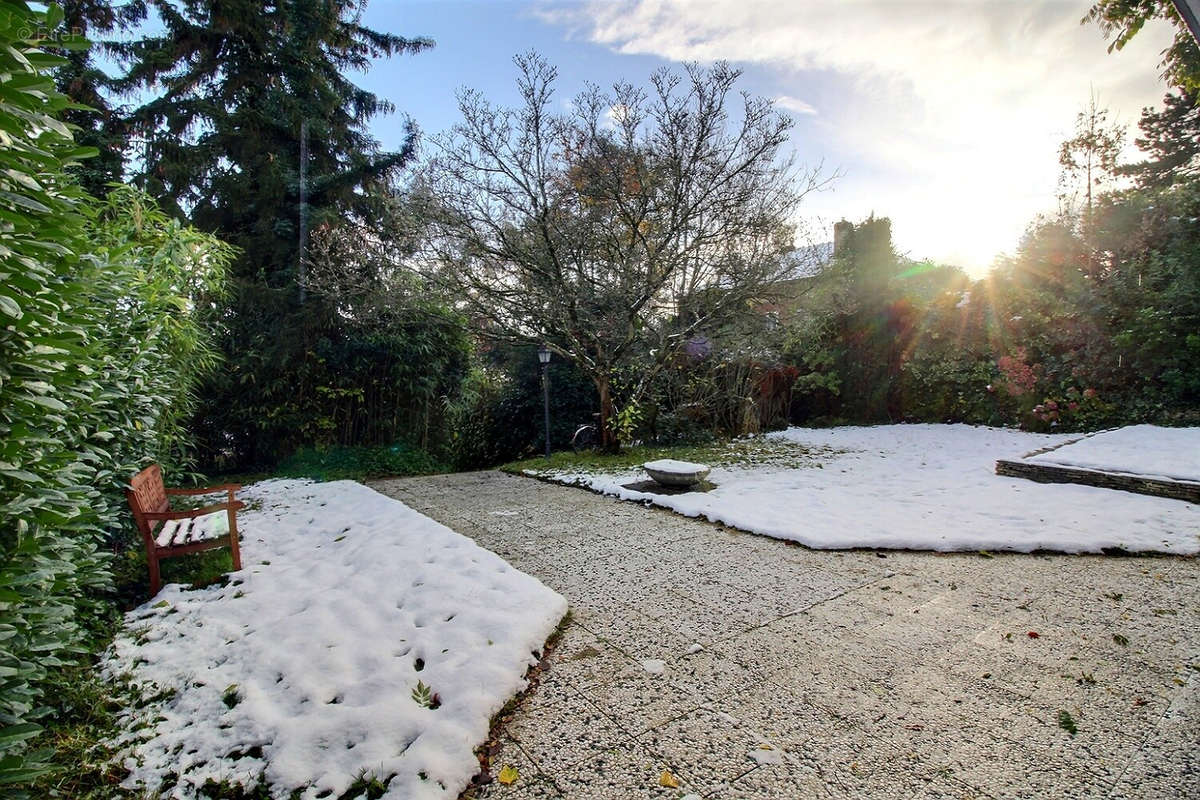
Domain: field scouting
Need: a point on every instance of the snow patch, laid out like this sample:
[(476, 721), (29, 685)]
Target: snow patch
[(767, 755), (655, 666), (922, 487), (1147, 450), (366, 637)]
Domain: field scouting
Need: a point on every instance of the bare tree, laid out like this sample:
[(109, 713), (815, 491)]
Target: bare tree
[(618, 229), (1089, 156)]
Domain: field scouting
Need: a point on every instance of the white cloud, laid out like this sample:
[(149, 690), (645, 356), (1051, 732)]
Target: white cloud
[(949, 115), (794, 104), (615, 116)]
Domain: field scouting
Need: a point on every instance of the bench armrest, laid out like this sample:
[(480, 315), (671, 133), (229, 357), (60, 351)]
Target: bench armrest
[(192, 513), (225, 487)]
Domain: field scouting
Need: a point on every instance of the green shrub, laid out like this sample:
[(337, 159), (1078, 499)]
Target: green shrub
[(341, 462), (99, 353), (498, 416)]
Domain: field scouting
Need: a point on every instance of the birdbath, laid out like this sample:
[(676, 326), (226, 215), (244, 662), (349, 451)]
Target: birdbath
[(676, 474)]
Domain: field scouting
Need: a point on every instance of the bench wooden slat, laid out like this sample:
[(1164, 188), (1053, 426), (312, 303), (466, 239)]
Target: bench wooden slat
[(182, 531)]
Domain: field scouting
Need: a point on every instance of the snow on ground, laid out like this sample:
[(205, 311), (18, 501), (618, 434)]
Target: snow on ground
[(302, 670), (922, 487), (1147, 450)]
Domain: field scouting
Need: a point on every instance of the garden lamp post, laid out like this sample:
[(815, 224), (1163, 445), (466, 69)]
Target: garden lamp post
[(544, 360)]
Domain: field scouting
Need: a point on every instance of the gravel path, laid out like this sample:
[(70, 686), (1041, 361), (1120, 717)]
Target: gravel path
[(747, 667)]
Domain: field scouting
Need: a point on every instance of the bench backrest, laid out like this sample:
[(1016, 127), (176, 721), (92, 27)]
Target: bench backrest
[(147, 494)]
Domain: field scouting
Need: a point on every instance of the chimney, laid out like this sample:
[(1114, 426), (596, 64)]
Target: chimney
[(841, 232)]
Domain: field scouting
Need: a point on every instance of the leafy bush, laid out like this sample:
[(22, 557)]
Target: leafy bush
[(341, 462), (1085, 327), (99, 353), (949, 389), (499, 416), (331, 380)]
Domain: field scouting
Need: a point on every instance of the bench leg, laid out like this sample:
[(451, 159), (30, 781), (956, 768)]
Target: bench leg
[(155, 578), (234, 549)]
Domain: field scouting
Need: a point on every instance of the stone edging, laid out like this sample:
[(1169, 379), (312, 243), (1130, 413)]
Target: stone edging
[(1050, 473)]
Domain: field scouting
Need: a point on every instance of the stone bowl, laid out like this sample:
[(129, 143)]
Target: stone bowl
[(670, 472)]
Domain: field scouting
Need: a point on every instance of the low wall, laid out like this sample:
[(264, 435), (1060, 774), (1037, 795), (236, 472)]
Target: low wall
[(1051, 473)]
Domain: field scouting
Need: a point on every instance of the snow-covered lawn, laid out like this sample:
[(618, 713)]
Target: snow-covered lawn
[(1146, 450), (320, 661), (927, 487)]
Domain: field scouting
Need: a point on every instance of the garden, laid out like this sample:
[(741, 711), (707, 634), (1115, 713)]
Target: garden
[(419, 374)]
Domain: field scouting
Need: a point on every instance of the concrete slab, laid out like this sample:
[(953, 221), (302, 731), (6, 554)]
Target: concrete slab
[(910, 675)]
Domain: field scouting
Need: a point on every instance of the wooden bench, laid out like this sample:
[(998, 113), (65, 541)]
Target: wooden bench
[(181, 532)]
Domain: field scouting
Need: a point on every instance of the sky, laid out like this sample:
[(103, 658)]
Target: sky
[(944, 116)]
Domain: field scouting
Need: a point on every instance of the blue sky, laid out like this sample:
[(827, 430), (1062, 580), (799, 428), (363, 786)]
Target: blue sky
[(945, 116)]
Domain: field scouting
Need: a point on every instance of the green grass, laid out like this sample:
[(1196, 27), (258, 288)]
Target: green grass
[(746, 452), (86, 718)]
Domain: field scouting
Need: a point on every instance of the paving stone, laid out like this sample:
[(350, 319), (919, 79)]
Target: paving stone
[(707, 624), (581, 659), (771, 782), (713, 748), (638, 700), (712, 674), (649, 639), (530, 784), (874, 678), (535, 729), (1168, 763), (628, 771)]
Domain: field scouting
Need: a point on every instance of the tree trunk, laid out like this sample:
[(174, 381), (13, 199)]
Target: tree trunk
[(608, 436)]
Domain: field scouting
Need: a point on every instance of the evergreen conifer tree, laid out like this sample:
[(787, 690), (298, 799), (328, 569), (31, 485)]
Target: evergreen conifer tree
[(232, 87)]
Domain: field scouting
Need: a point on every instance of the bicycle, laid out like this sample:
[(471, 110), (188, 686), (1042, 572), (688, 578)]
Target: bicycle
[(584, 438)]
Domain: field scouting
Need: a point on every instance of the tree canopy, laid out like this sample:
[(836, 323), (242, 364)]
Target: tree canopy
[(250, 128), (1171, 141), (1121, 20), (617, 230)]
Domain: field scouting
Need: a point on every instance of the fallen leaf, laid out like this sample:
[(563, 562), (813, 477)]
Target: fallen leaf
[(508, 775), (1033, 635), (668, 780), (587, 652)]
